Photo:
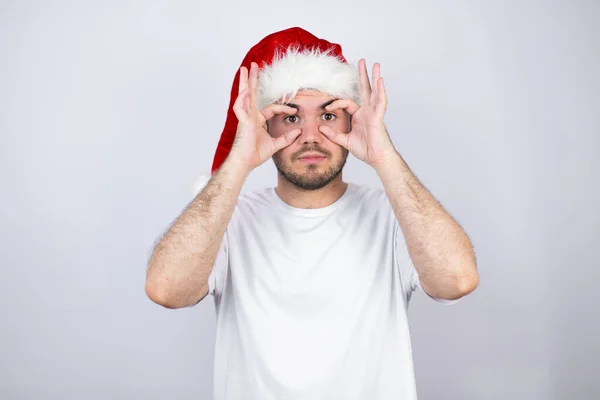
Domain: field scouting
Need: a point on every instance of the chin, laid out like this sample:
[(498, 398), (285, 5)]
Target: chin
[(311, 177), (309, 184)]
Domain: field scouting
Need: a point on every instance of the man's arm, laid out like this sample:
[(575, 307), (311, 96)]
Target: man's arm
[(439, 248), (183, 258)]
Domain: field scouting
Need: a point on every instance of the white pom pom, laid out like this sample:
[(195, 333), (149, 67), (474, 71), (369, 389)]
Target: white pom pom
[(200, 183)]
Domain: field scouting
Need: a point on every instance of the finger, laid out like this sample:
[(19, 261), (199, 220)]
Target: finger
[(243, 80), (365, 87), (347, 104), (240, 107), (286, 139), (382, 97), (273, 109), (335, 136), (376, 75), (253, 83)]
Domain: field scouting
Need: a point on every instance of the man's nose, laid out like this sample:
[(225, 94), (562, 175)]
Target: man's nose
[(310, 132)]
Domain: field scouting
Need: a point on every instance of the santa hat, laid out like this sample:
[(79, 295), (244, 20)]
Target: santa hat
[(289, 61)]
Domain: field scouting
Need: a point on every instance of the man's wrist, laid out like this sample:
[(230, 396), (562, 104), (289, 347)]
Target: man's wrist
[(391, 165), (234, 165)]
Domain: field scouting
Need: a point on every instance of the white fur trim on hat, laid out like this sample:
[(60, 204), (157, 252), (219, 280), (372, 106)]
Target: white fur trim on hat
[(309, 69)]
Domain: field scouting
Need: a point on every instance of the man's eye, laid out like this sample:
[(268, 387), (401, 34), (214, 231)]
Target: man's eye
[(290, 118), (328, 116)]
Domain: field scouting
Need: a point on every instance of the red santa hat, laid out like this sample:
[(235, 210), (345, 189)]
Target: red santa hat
[(289, 61)]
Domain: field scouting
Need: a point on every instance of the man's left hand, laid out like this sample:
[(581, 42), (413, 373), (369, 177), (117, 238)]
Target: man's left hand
[(368, 140)]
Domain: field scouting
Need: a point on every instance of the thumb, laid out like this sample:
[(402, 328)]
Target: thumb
[(286, 139), (335, 136)]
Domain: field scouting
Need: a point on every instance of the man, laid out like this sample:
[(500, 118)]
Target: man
[(312, 278)]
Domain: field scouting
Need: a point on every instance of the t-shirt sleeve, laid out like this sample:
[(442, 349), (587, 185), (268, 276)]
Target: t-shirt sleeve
[(217, 276), (408, 273)]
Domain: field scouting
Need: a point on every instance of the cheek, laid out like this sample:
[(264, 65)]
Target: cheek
[(283, 155), (341, 124), (275, 128)]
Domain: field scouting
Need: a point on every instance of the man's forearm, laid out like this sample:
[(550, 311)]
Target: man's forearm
[(183, 258), (439, 248)]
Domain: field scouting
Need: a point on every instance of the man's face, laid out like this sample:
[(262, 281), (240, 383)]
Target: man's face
[(294, 162)]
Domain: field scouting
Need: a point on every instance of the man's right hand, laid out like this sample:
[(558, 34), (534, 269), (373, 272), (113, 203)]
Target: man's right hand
[(253, 145)]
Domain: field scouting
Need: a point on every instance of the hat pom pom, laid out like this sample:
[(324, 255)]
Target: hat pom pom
[(200, 183)]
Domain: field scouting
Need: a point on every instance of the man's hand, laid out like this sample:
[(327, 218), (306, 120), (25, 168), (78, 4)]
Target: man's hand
[(368, 140), (253, 145)]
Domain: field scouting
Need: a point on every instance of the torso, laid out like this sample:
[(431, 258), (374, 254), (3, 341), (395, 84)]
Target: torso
[(313, 303)]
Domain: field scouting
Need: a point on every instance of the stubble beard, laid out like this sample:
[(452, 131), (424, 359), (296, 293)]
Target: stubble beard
[(311, 178)]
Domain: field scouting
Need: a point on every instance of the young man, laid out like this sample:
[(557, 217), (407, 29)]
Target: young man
[(312, 278)]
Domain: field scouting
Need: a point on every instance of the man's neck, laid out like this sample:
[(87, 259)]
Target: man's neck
[(311, 199)]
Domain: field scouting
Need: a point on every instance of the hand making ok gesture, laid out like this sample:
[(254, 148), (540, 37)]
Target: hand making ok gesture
[(253, 145), (368, 140)]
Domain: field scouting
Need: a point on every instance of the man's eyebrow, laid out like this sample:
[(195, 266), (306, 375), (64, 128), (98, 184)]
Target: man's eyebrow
[(321, 107)]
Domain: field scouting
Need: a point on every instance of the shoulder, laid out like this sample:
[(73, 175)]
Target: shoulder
[(254, 200), (365, 192), (362, 198), (259, 196), (371, 197)]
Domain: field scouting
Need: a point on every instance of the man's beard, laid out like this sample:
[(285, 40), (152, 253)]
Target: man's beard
[(311, 179)]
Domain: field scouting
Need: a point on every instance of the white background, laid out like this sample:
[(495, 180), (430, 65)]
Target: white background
[(110, 110)]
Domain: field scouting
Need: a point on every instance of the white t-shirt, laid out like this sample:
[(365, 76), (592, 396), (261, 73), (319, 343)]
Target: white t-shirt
[(312, 303)]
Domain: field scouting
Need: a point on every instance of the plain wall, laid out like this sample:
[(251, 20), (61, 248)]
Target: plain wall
[(109, 110)]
